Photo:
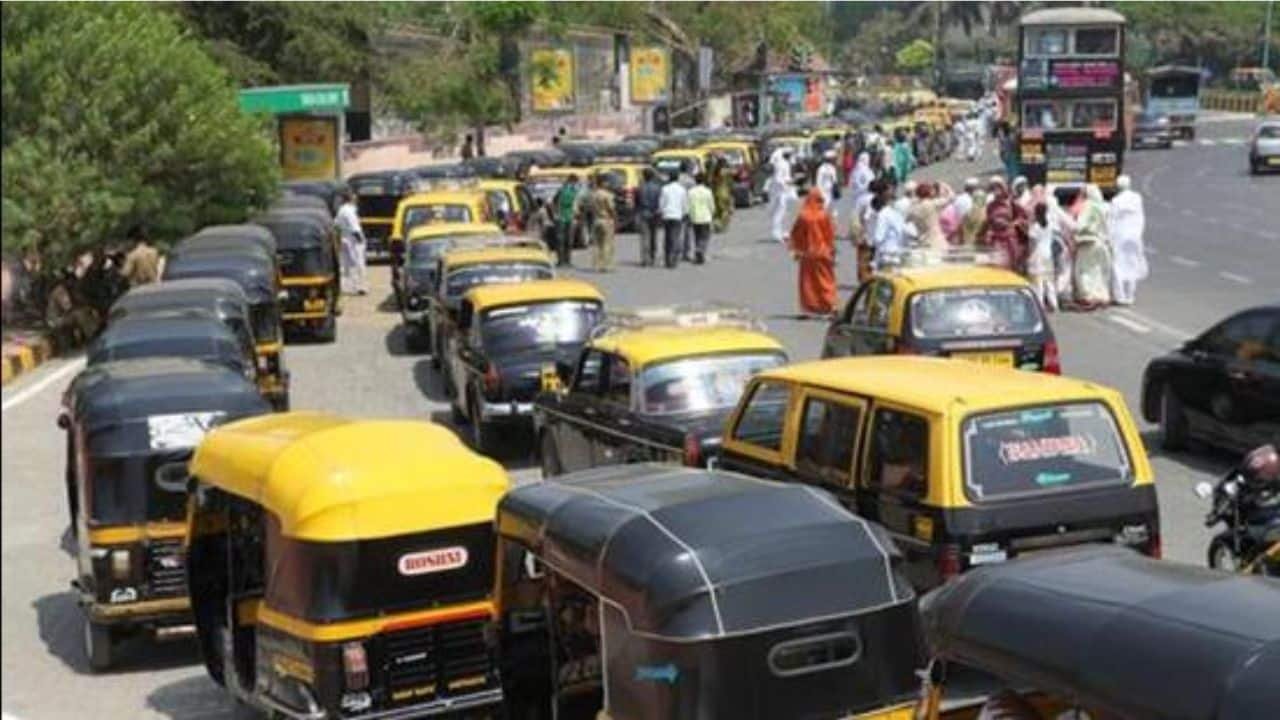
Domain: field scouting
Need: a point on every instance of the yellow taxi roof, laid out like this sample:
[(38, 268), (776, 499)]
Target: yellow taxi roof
[(940, 277), (937, 384), (726, 144), (484, 297), (498, 184), (790, 139), (698, 152), (832, 132), (332, 479), (459, 196), (513, 253), (645, 346), (450, 229)]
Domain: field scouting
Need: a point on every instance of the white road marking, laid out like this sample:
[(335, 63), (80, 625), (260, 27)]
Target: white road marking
[(1235, 278), (1208, 142), (1184, 262), (1174, 332), (1232, 141), (1131, 324), (27, 393)]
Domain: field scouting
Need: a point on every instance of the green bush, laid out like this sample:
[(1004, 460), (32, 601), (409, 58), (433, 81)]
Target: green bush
[(113, 117)]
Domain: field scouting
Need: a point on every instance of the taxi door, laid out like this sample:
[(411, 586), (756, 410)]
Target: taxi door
[(758, 440), (828, 431), (569, 423), (864, 328), (614, 439)]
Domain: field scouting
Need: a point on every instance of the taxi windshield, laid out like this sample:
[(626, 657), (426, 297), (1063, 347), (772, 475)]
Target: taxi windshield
[(424, 253), (701, 383), (1031, 451), (973, 312), (510, 330), (467, 277), (436, 213)]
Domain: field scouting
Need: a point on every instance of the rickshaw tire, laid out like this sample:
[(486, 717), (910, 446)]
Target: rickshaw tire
[(99, 645), (329, 331), (1173, 421)]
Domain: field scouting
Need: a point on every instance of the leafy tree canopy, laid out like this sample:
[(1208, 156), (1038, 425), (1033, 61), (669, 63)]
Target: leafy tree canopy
[(915, 56)]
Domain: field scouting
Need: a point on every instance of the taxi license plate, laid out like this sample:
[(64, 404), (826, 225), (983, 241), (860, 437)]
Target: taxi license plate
[(998, 359), (313, 305)]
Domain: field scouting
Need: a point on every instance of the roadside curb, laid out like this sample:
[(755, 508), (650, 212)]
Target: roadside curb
[(23, 356)]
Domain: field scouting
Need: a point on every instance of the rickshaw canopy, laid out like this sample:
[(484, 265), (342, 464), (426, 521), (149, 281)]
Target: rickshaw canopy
[(296, 229), (229, 236), (689, 554), (333, 479), (292, 200), (1116, 631), (219, 296), (254, 273), (175, 333), (150, 405)]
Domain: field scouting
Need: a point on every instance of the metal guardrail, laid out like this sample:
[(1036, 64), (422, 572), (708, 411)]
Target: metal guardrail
[(1232, 101)]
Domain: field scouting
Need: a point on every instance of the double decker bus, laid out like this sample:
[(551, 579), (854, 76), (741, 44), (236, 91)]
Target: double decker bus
[(1070, 99)]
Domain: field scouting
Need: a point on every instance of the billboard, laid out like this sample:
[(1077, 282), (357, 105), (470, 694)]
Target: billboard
[(650, 75), (552, 80), (799, 94), (309, 147)]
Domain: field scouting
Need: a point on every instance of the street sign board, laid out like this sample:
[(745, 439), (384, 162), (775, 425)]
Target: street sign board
[(283, 99)]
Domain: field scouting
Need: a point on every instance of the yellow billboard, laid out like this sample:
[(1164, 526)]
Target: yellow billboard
[(309, 148), (650, 74), (552, 80)]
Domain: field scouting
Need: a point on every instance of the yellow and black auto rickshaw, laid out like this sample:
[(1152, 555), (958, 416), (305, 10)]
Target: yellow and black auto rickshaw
[(131, 426), (258, 276), (638, 592), (306, 246), (346, 569)]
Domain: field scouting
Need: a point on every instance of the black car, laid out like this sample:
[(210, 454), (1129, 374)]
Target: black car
[(1222, 387), (1152, 130)]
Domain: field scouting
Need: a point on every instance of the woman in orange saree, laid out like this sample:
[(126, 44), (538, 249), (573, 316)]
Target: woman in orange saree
[(813, 247)]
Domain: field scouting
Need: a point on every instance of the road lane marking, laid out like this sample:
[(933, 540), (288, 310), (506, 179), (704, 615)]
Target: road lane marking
[(1184, 262), (1131, 324), (1235, 278), (1174, 332), (1208, 142), (27, 393)]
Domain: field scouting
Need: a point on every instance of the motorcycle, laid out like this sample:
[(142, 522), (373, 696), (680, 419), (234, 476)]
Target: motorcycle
[(1249, 511)]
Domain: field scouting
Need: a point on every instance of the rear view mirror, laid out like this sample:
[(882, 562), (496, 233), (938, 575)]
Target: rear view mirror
[(1204, 490)]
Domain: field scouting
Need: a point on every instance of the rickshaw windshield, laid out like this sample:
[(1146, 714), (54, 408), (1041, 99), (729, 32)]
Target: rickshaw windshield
[(465, 278), (1049, 448), (301, 261), (440, 213), (509, 330), (701, 383), (266, 321), (971, 312), (129, 489)]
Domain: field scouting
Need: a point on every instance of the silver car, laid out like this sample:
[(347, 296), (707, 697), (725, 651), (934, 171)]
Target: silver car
[(1264, 147)]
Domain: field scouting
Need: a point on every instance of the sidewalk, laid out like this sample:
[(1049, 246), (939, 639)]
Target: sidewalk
[(25, 350)]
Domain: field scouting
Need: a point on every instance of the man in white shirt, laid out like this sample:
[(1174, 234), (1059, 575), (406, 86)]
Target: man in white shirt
[(353, 246), (781, 192), (826, 179), (892, 232), (673, 205)]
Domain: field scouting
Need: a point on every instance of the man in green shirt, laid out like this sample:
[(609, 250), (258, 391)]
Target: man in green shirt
[(702, 210), (565, 202)]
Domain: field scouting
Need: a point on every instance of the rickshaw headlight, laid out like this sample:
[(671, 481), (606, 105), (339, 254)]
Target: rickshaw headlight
[(120, 564), (355, 665)]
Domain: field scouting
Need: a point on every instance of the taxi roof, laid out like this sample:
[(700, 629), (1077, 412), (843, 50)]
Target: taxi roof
[(512, 253), (694, 152), (645, 346), (447, 229), (499, 184), (445, 195), (937, 384), (941, 277), (713, 144), (333, 479), (484, 297), (555, 171)]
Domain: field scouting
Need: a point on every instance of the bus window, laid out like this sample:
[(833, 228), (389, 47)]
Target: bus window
[(1045, 43), (1043, 115), (1093, 115), (1097, 41)]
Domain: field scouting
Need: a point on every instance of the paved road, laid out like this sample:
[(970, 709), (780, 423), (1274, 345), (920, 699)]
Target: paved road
[(1213, 251)]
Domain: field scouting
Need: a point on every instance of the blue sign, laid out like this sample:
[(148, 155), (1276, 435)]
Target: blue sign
[(668, 673), (792, 88)]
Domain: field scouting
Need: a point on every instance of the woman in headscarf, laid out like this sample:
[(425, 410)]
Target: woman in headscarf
[(1001, 230), (1063, 224), (1128, 221), (1093, 251), (904, 161), (926, 213), (722, 187), (975, 217), (861, 177), (813, 246)]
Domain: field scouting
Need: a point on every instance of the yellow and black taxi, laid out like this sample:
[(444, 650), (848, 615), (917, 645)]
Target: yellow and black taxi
[(963, 464), (802, 156), (623, 177), (454, 201), (513, 260), (676, 161), (345, 568), (307, 249), (504, 337), (130, 428), (510, 201), (651, 384), (545, 182), (742, 160), (378, 194), (413, 276), (969, 312)]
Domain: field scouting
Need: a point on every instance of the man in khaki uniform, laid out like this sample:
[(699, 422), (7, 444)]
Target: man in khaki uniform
[(604, 218), (142, 263)]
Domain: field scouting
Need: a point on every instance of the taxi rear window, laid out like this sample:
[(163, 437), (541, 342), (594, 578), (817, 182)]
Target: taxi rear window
[(463, 279), (702, 383), (1037, 450), (975, 312), (424, 214)]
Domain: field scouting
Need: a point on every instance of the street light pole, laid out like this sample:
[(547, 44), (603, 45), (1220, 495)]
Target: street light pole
[(1266, 37)]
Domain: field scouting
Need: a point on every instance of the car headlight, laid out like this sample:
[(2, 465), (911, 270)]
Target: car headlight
[(1162, 121)]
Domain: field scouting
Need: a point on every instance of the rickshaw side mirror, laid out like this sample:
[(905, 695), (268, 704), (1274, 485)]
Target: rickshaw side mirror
[(64, 421)]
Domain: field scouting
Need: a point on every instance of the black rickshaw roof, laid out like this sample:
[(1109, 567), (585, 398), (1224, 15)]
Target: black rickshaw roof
[(689, 554), (255, 274), (296, 229), (209, 293), (1109, 628), (294, 201), (181, 333), (225, 236), (444, 171), (115, 400)]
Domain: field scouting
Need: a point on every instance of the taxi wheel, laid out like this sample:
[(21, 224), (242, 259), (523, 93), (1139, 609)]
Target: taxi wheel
[(1173, 421), (99, 645)]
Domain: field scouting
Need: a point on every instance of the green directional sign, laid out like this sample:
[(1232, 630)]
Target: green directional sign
[(283, 99)]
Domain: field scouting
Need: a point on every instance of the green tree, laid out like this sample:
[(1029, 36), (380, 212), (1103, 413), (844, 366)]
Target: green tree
[(113, 117), (916, 56)]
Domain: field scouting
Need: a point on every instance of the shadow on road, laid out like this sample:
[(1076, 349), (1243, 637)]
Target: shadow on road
[(194, 698), (388, 304), (61, 625), (1198, 457), (429, 381), (397, 342)]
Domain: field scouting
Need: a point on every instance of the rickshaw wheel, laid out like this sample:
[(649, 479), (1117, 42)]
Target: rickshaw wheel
[(1222, 557), (99, 641), (328, 332)]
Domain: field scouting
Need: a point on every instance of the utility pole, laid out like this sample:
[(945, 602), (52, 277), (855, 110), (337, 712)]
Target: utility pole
[(937, 45), (1266, 37)]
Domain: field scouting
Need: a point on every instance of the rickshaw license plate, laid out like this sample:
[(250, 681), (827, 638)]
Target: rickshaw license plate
[(998, 359), (313, 305)]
